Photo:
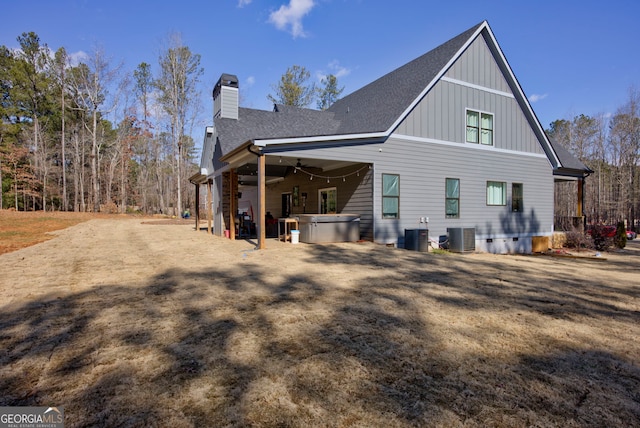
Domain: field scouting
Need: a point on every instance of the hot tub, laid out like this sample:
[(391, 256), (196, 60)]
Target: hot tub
[(323, 228)]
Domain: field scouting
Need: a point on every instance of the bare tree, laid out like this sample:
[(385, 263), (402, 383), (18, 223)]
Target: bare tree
[(180, 73), (92, 82)]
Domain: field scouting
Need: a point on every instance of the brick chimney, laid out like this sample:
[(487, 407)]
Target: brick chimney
[(225, 97)]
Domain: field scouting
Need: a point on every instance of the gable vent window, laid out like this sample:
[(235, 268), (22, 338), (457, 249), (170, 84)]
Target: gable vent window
[(479, 127)]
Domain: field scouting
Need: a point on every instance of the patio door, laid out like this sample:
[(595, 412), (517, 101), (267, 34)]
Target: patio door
[(328, 201), (286, 204)]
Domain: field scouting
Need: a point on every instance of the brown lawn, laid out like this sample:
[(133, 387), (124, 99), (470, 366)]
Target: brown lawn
[(132, 322)]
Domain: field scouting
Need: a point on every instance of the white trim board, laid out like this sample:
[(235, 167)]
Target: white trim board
[(478, 87), (472, 146)]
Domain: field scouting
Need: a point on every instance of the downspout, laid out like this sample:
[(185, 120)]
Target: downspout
[(261, 198)]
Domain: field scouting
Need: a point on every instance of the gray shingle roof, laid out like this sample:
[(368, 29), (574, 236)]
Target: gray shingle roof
[(373, 108), (286, 122), (569, 161)]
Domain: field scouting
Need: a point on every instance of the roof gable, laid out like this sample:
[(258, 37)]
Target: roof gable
[(378, 105), (377, 108)]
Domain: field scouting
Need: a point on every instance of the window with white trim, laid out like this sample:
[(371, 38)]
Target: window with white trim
[(452, 198), (479, 127), (496, 193), (390, 196)]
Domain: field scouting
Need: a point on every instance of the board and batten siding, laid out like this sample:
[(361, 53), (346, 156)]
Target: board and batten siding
[(477, 66), (441, 114)]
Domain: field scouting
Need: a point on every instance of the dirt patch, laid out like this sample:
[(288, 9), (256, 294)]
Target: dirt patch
[(129, 325)]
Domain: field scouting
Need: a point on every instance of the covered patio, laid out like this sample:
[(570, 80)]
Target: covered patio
[(259, 189)]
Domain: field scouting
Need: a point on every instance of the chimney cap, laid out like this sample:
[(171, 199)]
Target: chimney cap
[(229, 80)]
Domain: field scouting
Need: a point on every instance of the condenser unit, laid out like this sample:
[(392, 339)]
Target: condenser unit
[(462, 239)]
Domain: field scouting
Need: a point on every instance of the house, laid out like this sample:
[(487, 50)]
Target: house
[(447, 142)]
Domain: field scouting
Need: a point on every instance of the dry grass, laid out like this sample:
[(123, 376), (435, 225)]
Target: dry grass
[(19, 229), (163, 326)]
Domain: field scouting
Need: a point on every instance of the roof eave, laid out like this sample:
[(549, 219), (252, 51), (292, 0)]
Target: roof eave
[(321, 139)]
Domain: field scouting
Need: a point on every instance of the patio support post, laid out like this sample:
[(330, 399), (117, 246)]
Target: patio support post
[(580, 196), (233, 194), (209, 206), (197, 206), (261, 202)]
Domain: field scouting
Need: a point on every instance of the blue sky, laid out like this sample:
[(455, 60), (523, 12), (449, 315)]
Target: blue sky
[(570, 57)]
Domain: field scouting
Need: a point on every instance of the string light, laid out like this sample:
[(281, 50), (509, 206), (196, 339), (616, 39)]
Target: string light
[(311, 175)]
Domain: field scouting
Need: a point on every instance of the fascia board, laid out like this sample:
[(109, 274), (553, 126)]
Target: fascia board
[(319, 139)]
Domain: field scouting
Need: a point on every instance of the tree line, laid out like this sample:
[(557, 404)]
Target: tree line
[(87, 136), (610, 146)]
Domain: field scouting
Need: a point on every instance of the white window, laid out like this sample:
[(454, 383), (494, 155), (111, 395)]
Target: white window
[(390, 196), (479, 127), (452, 197), (496, 193)]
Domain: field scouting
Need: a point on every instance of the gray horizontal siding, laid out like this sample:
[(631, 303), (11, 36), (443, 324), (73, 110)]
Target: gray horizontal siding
[(226, 103), (423, 168)]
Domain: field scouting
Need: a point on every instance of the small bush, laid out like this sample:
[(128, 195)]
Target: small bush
[(599, 236), (620, 240), (576, 239)]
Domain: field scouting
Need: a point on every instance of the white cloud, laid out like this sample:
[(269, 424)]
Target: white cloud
[(337, 69), (290, 17), (76, 58), (250, 82), (536, 97), (334, 68), (243, 3)]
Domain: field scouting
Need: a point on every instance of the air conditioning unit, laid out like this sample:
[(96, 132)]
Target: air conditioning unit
[(462, 239)]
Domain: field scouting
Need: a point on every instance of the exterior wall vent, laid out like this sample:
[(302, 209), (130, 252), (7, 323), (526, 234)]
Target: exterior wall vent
[(462, 239)]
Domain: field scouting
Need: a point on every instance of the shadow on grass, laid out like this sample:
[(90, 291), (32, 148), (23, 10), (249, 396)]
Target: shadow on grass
[(219, 347)]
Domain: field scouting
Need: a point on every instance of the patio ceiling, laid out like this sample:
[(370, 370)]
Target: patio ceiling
[(278, 167)]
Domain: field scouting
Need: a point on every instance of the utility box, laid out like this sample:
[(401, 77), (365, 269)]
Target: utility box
[(416, 239), (539, 244), (462, 239)]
